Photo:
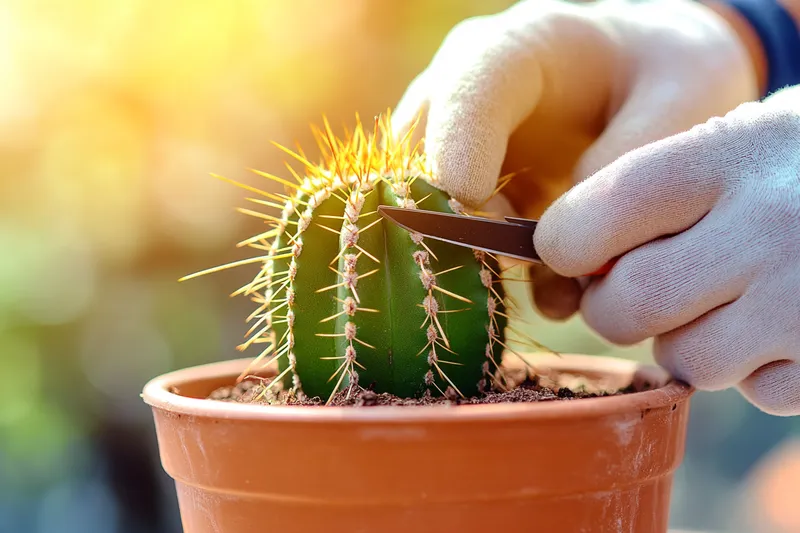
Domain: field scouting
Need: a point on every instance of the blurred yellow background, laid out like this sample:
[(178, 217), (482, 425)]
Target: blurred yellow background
[(113, 114)]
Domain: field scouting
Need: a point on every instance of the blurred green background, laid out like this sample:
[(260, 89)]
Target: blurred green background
[(112, 116)]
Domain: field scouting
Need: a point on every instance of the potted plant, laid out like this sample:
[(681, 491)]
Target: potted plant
[(385, 396)]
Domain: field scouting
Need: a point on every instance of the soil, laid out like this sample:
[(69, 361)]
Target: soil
[(528, 390)]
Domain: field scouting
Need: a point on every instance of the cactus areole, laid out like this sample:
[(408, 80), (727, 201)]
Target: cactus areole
[(345, 298)]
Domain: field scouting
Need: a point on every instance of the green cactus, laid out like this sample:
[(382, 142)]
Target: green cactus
[(347, 298)]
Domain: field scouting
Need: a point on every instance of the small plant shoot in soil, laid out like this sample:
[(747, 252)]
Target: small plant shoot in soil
[(347, 302)]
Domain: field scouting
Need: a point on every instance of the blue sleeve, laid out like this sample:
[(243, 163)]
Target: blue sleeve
[(780, 38)]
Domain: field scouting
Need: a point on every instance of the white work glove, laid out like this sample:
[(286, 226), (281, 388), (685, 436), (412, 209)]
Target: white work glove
[(578, 85), (706, 225)]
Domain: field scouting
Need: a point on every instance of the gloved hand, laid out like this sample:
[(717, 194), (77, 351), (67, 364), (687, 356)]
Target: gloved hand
[(706, 226), (578, 85)]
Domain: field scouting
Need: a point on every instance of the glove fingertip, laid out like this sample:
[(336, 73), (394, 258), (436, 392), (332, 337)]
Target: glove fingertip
[(774, 388), (467, 170), (556, 242)]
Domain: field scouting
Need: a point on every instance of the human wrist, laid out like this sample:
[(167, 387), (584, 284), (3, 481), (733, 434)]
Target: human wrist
[(793, 8), (776, 24), (746, 35)]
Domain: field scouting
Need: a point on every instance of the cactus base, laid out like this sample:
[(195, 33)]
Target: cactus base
[(521, 388)]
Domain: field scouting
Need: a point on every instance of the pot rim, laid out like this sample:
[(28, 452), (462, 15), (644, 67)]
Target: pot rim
[(157, 394)]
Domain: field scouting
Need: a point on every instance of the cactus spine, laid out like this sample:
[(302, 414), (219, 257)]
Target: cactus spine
[(346, 298)]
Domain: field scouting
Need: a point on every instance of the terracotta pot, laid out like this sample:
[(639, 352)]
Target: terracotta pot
[(589, 465)]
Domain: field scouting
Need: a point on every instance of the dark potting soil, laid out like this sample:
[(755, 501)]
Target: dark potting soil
[(529, 390)]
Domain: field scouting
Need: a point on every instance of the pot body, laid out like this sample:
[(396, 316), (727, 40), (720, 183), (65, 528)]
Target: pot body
[(589, 465)]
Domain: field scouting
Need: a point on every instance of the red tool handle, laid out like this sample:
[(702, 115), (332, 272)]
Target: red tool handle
[(605, 269)]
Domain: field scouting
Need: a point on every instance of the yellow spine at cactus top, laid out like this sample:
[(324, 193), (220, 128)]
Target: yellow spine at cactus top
[(347, 299)]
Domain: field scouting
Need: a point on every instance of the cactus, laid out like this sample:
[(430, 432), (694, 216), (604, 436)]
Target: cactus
[(346, 298)]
